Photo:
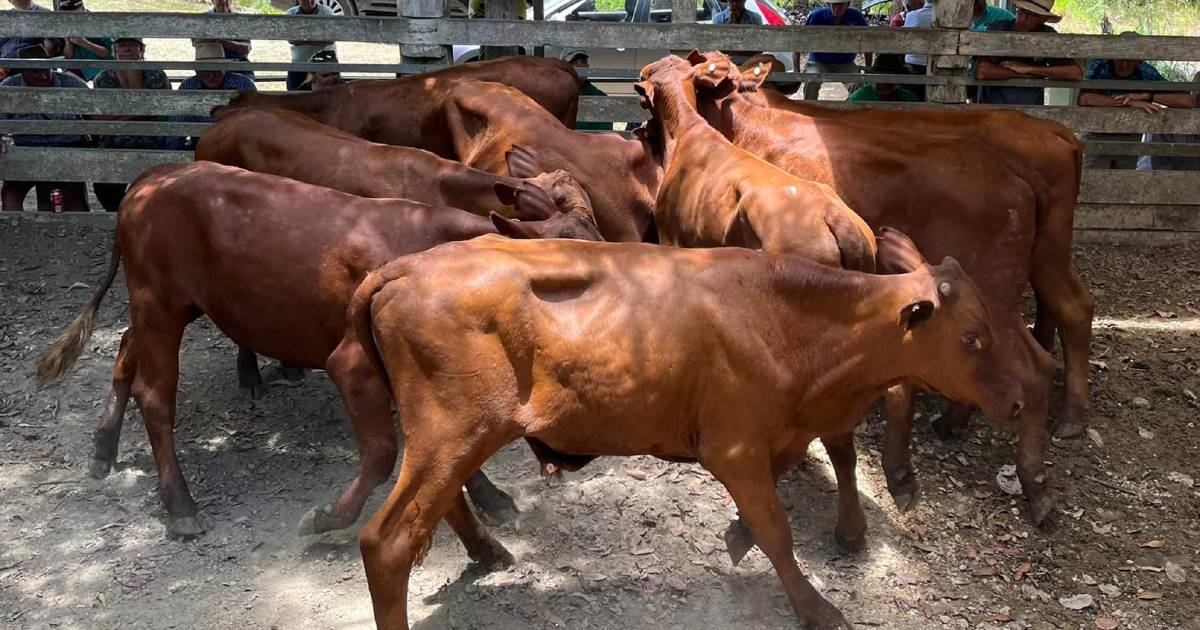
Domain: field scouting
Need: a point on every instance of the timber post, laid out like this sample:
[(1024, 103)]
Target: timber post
[(683, 12), (502, 10), (954, 15), (424, 18)]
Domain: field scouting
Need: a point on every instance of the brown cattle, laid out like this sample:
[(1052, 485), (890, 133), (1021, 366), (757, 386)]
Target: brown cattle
[(566, 343), (954, 199), (485, 121), (1048, 157), (284, 143), (715, 194), (407, 111), (273, 263)]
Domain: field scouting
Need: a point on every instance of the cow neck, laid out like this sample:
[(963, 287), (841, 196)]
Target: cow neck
[(675, 109), (861, 349)]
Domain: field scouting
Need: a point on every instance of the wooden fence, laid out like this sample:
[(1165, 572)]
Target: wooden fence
[(1118, 200)]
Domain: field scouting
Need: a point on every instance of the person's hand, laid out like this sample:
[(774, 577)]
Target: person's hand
[(1146, 106), (78, 41), (1017, 67), (1139, 96)]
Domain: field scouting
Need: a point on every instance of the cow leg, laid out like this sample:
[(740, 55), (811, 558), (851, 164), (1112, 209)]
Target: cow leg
[(368, 404), (952, 424), (746, 473), (1031, 449), (850, 532), (898, 405), (495, 503), (108, 432), (154, 388), (440, 452), (1071, 307), (1043, 325), (249, 378)]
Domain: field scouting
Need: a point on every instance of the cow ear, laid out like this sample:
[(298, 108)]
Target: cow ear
[(896, 252), (522, 163), (754, 72), (532, 201), (511, 228), (712, 74), (506, 193), (915, 313), (696, 57)]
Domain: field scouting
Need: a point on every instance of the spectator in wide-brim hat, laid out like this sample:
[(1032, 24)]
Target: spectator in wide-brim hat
[(208, 80), (1033, 16), (322, 80)]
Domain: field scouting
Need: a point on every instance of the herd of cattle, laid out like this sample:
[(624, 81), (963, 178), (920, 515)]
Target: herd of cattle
[(763, 284)]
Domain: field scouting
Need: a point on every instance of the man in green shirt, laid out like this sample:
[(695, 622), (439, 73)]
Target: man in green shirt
[(986, 14), (81, 47), (885, 92)]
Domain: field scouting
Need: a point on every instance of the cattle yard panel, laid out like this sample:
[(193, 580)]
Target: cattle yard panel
[(1150, 201)]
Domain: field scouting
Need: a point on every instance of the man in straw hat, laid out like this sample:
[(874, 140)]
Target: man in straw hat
[(1033, 16), (208, 80)]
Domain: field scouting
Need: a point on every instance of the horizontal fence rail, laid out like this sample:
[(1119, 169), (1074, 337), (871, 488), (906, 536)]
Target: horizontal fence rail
[(592, 108)]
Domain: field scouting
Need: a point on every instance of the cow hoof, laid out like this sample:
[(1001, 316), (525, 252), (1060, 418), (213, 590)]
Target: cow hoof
[(184, 528), (497, 508), (738, 541), (494, 557), (906, 492), (849, 545), (100, 467), (946, 429), (1068, 429), (1040, 508), (319, 520)]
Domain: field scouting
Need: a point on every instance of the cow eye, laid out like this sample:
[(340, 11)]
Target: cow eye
[(971, 341)]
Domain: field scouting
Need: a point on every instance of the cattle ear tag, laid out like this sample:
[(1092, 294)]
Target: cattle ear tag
[(712, 67), (757, 70), (945, 289)]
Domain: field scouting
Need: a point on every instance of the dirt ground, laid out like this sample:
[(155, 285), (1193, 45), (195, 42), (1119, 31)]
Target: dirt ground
[(625, 543)]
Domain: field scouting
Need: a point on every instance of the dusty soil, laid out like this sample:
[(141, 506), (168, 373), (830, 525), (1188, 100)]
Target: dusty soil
[(625, 543)]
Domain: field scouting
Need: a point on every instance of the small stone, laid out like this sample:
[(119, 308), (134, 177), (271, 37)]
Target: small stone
[(1175, 573), (1145, 434), (1140, 402), (1181, 478), (1110, 590), (1076, 602)]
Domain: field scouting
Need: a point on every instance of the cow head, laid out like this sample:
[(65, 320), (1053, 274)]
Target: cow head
[(541, 194), (754, 71), (695, 72), (576, 223), (948, 332)]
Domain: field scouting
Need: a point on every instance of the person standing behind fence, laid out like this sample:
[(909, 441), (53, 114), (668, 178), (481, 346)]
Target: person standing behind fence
[(877, 91), (13, 193), (1172, 163), (234, 49), (207, 80), (317, 81), (836, 13), (903, 9), (1149, 102), (985, 15), (304, 49), (1033, 16), (10, 45), (918, 63), (80, 47), (127, 49)]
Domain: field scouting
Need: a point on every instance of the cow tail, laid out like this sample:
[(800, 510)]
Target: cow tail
[(360, 324), (65, 350)]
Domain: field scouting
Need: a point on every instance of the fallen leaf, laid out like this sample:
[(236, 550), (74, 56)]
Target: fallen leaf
[(1106, 623), (1008, 481), (1021, 571), (1140, 402), (1089, 580), (1165, 314), (1099, 529), (1000, 618), (636, 473), (1110, 590), (1076, 602), (643, 551), (1094, 436), (1100, 365), (984, 572), (1181, 478), (1175, 573), (1149, 595), (1145, 435), (1153, 544)]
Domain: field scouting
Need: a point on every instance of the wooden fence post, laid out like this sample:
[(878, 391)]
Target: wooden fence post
[(950, 14), (502, 10), (424, 54), (683, 12)]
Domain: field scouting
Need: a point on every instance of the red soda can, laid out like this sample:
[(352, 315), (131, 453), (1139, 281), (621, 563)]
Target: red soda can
[(56, 200)]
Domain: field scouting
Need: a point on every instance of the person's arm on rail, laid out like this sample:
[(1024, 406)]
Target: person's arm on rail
[(1064, 72), (69, 50), (989, 70)]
